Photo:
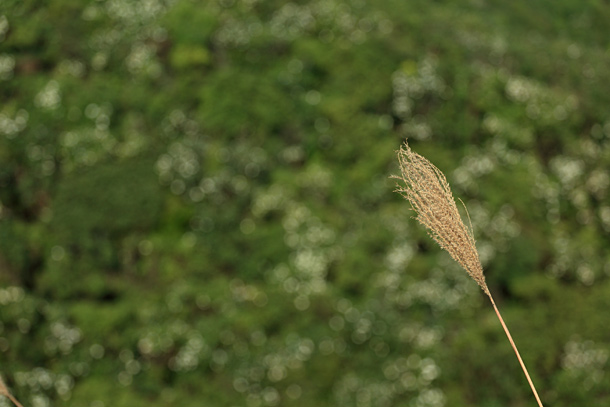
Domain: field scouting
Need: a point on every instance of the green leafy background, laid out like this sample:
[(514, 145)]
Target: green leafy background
[(195, 203)]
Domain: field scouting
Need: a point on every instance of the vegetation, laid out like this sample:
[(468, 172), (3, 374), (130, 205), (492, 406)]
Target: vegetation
[(196, 205), (429, 193)]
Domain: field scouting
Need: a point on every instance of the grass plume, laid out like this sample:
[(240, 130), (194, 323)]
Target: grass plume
[(428, 191)]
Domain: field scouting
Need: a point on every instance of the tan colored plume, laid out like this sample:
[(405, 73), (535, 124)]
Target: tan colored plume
[(428, 191)]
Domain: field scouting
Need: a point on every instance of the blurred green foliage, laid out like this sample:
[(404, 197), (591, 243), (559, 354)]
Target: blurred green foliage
[(195, 206)]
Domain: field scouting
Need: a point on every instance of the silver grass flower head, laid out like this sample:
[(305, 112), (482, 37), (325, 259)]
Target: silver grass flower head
[(428, 191)]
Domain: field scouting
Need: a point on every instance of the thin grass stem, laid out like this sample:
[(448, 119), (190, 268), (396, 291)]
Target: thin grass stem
[(14, 400), (4, 392), (512, 343)]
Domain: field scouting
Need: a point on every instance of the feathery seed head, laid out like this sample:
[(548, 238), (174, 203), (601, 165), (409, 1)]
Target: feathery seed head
[(428, 191)]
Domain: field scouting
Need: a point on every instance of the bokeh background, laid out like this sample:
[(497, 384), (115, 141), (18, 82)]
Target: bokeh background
[(196, 210)]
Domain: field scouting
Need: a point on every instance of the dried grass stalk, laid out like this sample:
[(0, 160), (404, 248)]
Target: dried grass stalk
[(4, 392), (428, 191)]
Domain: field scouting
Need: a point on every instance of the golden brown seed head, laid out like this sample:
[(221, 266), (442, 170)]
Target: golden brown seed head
[(427, 189)]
